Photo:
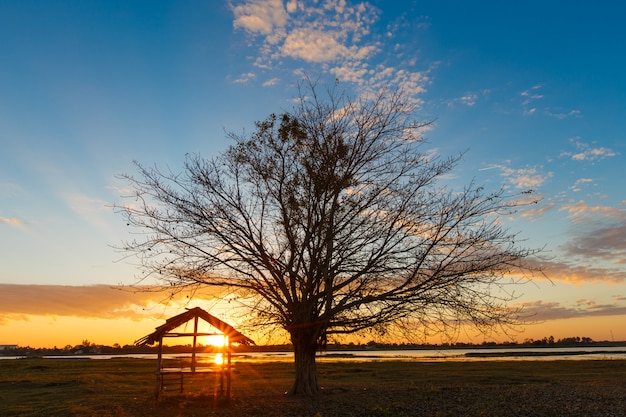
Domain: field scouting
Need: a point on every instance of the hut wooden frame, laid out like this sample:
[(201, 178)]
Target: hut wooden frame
[(229, 333)]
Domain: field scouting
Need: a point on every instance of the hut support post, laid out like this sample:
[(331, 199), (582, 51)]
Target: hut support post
[(221, 366), (158, 382), (193, 349), (228, 368)]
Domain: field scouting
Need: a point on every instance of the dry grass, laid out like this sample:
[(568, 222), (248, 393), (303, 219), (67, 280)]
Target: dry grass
[(123, 387)]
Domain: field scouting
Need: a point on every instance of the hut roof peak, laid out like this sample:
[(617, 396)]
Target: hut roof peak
[(172, 323)]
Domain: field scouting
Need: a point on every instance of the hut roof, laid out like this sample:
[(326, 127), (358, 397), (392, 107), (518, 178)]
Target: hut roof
[(176, 321)]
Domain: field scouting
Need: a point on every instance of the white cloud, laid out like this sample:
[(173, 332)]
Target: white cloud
[(524, 177), (586, 152), (11, 221), (353, 72), (261, 16), (563, 115), (580, 183), (245, 78), (292, 6), (529, 97), (469, 99), (580, 211), (271, 82), (531, 94), (592, 154), (313, 46), (538, 211), (530, 111), (331, 36)]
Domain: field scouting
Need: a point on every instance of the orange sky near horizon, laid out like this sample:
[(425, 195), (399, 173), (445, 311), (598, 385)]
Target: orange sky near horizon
[(56, 331), (49, 316)]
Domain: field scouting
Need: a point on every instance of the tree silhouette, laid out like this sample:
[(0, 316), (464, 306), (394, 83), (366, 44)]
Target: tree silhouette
[(332, 220)]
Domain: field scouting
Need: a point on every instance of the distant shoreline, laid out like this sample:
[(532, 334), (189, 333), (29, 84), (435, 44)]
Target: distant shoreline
[(539, 352), (578, 353), (330, 349)]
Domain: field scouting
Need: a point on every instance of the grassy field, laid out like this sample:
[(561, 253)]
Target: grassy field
[(124, 387)]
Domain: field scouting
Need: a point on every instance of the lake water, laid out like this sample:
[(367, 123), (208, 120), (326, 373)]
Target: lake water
[(417, 355)]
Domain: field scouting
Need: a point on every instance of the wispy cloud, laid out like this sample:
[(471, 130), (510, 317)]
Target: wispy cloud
[(581, 211), (562, 114), (529, 97), (532, 94), (586, 152), (595, 249), (580, 183), (334, 35), (469, 99), (15, 222), (571, 270), (530, 177), (531, 103), (608, 243), (245, 78), (537, 211), (271, 82), (543, 311)]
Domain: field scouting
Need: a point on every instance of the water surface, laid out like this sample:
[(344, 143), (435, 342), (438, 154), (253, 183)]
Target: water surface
[(414, 355)]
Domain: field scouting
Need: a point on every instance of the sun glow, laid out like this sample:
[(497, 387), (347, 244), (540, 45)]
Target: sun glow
[(219, 359), (216, 340)]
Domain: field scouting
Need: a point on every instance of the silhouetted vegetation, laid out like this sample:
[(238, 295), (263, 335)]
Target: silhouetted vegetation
[(88, 348), (333, 219)]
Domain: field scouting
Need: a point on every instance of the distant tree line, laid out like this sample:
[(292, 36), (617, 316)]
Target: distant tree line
[(568, 341), (88, 348)]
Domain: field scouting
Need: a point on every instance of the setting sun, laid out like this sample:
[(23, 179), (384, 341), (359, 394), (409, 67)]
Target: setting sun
[(216, 340)]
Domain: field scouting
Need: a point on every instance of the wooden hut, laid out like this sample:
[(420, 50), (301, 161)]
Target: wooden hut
[(230, 334)]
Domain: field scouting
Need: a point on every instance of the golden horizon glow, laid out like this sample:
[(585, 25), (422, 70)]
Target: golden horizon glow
[(127, 317), (50, 331), (215, 340)]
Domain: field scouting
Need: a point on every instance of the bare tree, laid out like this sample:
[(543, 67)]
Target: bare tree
[(333, 218)]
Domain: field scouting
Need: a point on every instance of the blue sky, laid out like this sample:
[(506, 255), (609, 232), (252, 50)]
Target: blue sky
[(534, 92)]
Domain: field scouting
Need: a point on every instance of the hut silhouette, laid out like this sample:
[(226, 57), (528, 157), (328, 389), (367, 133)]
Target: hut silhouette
[(221, 328)]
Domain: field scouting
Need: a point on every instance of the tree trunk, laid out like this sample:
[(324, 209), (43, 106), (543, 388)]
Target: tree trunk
[(305, 347)]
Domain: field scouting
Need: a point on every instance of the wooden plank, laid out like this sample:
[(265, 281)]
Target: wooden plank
[(190, 371)]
